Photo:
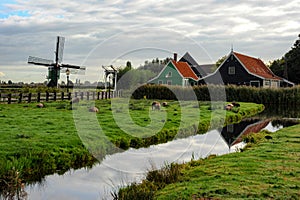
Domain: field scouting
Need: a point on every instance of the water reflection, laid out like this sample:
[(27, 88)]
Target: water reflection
[(122, 168)]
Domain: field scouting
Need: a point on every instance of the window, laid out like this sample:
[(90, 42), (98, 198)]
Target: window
[(231, 70), (255, 83), (267, 83), (230, 128), (169, 75), (169, 82), (160, 82)]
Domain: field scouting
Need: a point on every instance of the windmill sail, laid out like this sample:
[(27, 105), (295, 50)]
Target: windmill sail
[(60, 48), (39, 61)]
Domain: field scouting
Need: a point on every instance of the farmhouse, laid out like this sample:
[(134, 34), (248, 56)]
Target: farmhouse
[(177, 73), (241, 69)]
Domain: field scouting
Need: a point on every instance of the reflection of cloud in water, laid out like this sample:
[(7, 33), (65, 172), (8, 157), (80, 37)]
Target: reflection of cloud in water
[(122, 168), (130, 166)]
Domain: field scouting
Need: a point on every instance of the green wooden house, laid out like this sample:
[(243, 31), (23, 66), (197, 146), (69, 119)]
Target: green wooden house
[(176, 73)]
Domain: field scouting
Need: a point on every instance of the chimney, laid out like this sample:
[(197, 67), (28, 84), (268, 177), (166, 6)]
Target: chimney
[(175, 57)]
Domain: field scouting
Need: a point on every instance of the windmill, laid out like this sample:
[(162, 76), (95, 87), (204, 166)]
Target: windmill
[(54, 67)]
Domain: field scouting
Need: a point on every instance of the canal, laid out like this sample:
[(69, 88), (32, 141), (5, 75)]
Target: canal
[(120, 169)]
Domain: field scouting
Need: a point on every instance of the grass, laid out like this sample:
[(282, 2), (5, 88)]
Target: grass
[(267, 169), (40, 141)]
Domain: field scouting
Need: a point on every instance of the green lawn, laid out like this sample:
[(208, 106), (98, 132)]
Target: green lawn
[(35, 141), (266, 169)]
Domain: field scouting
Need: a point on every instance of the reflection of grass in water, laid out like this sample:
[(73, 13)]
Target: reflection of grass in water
[(267, 169)]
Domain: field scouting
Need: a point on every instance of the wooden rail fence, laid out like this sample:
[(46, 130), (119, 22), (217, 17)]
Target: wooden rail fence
[(53, 96)]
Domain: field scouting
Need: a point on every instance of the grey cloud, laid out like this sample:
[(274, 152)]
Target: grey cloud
[(215, 24)]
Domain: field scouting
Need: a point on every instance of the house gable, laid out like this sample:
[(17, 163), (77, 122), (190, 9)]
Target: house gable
[(231, 71), (168, 75)]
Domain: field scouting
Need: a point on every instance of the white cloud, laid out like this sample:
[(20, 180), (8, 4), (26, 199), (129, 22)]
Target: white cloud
[(2, 74), (214, 24)]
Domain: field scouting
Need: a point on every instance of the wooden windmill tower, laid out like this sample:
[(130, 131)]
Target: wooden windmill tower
[(54, 67)]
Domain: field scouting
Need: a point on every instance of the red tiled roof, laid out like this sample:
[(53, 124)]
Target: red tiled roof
[(185, 70), (256, 66), (253, 128)]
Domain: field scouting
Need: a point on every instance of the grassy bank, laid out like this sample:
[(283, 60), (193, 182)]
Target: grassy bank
[(269, 168), (40, 141)]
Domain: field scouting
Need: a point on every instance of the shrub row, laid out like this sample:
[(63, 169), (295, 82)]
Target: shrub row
[(219, 92)]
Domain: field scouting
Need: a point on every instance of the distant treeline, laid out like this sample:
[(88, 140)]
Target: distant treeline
[(288, 96)]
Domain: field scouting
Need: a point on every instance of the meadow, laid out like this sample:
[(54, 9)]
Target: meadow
[(39, 141)]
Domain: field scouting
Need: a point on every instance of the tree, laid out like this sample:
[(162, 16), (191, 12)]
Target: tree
[(9, 82), (220, 61), (278, 67), (293, 62), (122, 71)]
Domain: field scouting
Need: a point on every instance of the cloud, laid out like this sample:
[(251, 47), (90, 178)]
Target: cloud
[(2, 74), (30, 27)]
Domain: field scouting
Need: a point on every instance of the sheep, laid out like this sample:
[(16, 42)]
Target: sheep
[(235, 104), (155, 105), (93, 109), (165, 104), (40, 105), (228, 106), (74, 100)]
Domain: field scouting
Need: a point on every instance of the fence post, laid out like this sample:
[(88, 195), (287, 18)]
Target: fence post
[(20, 97), (87, 96), (93, 95), (105, 94), (9, 98), (81, 96), (47, 96), (69, 95), (75, 94), (102, 95), (29, 97), (38, 97), (54, 96), (98, 95)]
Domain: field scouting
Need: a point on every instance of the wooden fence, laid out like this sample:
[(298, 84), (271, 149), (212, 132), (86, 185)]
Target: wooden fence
[(54, 96)]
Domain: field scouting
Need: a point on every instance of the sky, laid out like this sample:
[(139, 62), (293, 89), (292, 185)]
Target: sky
[(110, 32)]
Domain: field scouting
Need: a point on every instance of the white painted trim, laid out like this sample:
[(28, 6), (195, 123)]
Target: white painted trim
[(255, 82)]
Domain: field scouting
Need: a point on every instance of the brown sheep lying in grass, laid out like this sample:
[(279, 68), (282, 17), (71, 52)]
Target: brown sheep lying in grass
[(93, 109), (155, 105), (40, 105)]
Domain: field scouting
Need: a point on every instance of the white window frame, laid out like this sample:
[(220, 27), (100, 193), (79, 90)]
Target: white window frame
[(169, 74), (231, 70), (267, 83), (255, 82)]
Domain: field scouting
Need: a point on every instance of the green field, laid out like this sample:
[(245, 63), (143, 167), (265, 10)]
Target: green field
[(269, 168), (40, 141)]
